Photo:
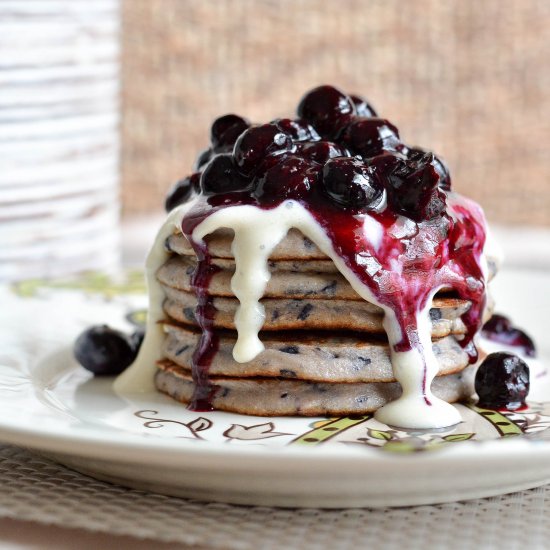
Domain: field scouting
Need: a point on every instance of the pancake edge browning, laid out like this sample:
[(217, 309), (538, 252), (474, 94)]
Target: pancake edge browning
[(262, 397)]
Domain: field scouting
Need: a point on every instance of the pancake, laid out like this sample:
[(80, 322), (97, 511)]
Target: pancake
[(285, 314), (295, 246), (326, 352), (273, 397), (302, 280), (289, 279), (312, 356)]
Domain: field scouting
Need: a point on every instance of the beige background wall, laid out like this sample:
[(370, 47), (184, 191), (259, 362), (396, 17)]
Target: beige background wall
[(467, 78)]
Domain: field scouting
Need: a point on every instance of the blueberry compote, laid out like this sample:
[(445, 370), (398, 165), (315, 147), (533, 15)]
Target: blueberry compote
[(384, 213)]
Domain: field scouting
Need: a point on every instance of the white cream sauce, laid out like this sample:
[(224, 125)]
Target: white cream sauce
[(257, 233), (139, 376)]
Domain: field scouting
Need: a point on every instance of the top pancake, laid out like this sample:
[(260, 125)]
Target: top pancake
[(294, 247)]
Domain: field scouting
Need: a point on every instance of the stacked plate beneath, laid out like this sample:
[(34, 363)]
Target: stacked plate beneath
[(325, 347), (58, 137)]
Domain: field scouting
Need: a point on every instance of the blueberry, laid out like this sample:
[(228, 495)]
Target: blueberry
[(369, 137), (196, 182), (137, 339), (221, 176), (181, 191), (498, 324), (362, 107), (104, 351), (291, 178), (502, 382), (256, 143), (327, 109), (500, 329), (351, 185), (225, 131), (386, 161), (203, 158), (320, 151), (415, 153), (413, 188), (298, 129)]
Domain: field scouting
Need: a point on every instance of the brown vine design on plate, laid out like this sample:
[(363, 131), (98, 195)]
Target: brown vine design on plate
[(195, 426), (533, 423)]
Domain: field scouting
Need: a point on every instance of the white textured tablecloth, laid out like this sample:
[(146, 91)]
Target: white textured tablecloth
[(36, 489)]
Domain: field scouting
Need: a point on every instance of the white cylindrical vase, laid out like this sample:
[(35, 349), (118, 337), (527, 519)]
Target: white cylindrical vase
[(59, 138)]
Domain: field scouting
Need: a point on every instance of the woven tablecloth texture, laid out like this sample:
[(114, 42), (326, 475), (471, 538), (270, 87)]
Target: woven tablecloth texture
[(36, 489)]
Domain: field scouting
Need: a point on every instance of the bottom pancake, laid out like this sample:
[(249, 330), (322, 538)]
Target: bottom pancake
[(276, 397)]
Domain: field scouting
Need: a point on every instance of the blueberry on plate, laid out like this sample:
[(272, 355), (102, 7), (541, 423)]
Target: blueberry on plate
[(137, 339), (362, 106), (104, 351), (502, 382), (351, 184), (225, 131), (181, 192), (500, 329), (327, 109), (257, 143), (221, 176)]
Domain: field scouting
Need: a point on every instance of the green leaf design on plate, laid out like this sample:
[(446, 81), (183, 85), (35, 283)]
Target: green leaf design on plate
[(401, 447), (379, 434), (502, 423), (458, 437), (130, 282), (327, 430), (137, 317)]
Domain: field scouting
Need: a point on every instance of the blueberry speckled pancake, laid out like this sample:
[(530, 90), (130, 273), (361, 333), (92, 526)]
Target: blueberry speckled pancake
[(176, 274), (326, 351), (314, 356), (291, 279), (286, 314), (295, 246), (275, 397)]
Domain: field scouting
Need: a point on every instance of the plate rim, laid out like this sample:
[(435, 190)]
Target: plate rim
[(119, 444)]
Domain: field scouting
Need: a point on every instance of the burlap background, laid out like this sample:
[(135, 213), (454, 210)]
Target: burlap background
[(467, 78)]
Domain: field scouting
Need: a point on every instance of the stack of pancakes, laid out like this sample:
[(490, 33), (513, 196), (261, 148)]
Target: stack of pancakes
[(326, 352)]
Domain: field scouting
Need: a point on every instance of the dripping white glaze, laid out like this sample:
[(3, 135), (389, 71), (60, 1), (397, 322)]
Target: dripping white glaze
[(257, 233), (139, 376)]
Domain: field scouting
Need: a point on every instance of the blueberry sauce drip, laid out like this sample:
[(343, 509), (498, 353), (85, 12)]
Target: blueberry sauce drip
[(208, 345), (501, 330), (393, 220), (434, 256)]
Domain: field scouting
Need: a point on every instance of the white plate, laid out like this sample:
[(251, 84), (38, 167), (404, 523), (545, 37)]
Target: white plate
[(49, 404)]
